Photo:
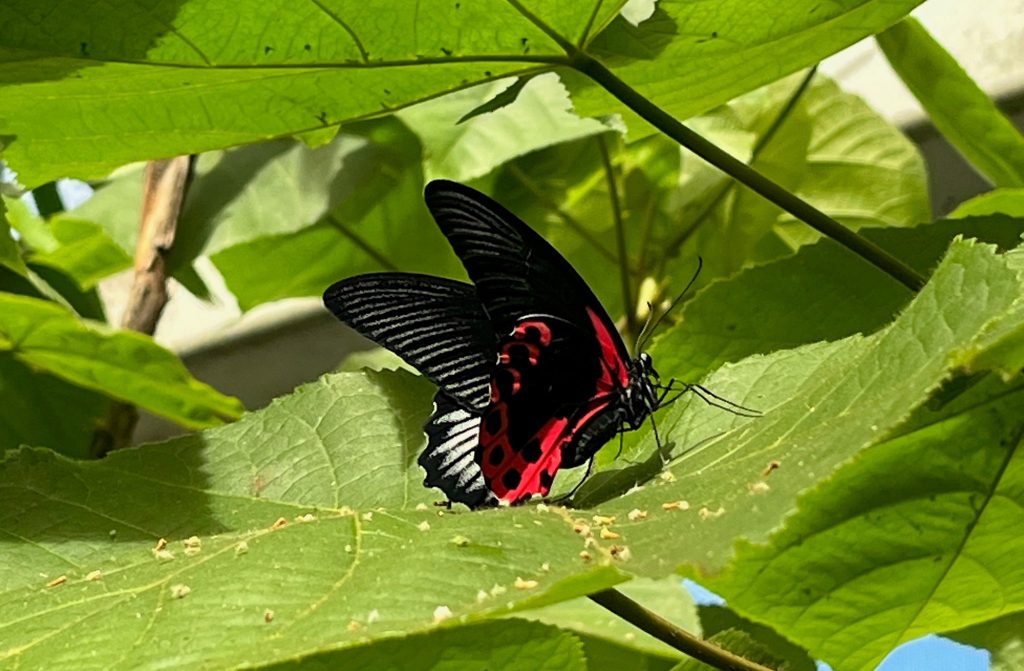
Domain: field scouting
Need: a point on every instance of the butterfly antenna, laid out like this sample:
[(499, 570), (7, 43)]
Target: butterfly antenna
[(647, 333), (643, 332)]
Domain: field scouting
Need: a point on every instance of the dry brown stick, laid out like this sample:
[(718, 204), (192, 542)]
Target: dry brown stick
[(163, 193)]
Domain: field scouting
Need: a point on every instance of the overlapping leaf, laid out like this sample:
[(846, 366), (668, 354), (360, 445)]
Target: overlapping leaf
[(90, 89), (957, 106), (121, 364)]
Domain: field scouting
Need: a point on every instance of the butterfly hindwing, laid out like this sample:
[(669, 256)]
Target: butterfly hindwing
[(543, 391), (453, 434), (436, 325)]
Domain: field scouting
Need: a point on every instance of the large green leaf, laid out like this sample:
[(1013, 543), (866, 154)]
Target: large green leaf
[(823, 404), (90, 89), (666, 597), (689, 57), (121, 364), (93, 88), (914, 537), (957, 106), (344, 571)]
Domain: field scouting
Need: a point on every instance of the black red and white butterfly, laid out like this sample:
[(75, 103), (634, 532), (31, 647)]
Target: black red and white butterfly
[(532, 375)]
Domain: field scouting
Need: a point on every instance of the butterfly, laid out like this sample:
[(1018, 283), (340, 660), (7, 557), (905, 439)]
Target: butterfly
[(532, 375)]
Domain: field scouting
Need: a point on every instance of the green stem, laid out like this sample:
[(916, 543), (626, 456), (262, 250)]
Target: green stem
[(680, 639), (620, 238), (746, 175)]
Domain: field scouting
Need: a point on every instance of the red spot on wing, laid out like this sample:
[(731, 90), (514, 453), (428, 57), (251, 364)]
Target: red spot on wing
[(514, 478)]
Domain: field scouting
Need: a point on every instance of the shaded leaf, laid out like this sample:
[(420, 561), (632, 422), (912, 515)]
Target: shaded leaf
[(43, 411), (501, 99), (541, 116), (958, 107), (739, 643), (278, 71), (809, 297), (716, 619), (1003, 637), (84, 251), (508, 645), (121, 364)]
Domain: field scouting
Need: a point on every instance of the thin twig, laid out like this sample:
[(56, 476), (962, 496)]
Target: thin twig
[(163, 193), (745, 174), (680, 639), (628, 302)]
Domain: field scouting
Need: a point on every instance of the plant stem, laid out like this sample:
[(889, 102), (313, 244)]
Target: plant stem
[(746, 175), (620, 238), (680, 639)]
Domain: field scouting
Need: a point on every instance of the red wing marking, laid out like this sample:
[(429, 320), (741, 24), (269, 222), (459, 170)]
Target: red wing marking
[(614, 371), (516, 475)]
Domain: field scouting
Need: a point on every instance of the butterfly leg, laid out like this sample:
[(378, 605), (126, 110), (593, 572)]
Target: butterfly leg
[(665, 458), (566, 497)]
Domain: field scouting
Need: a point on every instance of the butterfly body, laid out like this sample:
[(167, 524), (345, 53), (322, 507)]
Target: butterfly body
[(532, 375)]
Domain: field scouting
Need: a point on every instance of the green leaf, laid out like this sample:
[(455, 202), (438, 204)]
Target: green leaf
[(10, 254), (1002, 637), (360, 557), (689, 57), (284, 72), (277, 71), (999, 201), (722, 484), (84, 251), (41, 410), (385, 228), (121, 364), (957, 106), (921, 527), (507, 645), (806, 298), (504, 98), (830, 148), (541, 116)]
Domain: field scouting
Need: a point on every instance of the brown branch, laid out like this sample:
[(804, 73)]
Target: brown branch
[(163, 193)]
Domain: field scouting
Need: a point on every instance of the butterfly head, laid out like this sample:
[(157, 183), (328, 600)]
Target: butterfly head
[(642, 394)]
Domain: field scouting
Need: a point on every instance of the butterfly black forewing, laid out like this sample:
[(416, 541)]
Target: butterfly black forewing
[(557, 389)]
